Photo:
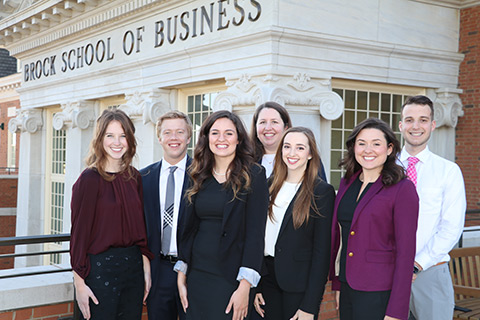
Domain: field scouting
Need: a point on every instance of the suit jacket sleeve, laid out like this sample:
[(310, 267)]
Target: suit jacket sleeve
[(187, 230), (324, 199), (256, 219), (405, 227)]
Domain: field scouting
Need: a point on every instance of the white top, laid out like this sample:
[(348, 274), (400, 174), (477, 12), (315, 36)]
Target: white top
[(441, 190), (179, 176), (267, 163), (284, 197)]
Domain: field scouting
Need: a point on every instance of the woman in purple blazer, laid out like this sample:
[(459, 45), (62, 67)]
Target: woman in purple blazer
[(373, 230)]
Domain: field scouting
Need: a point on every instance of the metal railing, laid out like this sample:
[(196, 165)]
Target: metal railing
[(8, 170), (14, 241)]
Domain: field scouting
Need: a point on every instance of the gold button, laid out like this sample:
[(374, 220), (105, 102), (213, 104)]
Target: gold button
[(352, 233), (350, 254)]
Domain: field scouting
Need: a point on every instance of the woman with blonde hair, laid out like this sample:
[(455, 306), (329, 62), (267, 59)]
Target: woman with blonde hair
[(108, 246)]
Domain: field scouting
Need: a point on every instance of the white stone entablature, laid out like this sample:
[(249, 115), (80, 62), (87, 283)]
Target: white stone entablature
[(299, 94)]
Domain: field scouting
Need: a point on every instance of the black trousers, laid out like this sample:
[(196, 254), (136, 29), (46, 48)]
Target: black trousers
[(279, 304), (362, 305), (163, 302), (116, 279)]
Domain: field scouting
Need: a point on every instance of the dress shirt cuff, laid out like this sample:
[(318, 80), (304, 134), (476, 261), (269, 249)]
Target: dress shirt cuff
[(252, 276), (180, 266), (424, 260)]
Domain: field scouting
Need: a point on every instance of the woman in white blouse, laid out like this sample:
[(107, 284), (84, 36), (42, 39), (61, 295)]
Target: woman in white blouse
[(297, 239)]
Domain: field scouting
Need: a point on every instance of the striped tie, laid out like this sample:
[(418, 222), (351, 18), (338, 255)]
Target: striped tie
[(168, 213)]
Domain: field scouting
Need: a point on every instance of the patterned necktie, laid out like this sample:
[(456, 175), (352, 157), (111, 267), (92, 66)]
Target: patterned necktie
[(411, 170), (168, 213)]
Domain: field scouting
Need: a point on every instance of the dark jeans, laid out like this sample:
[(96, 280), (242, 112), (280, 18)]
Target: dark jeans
[(116, 279)]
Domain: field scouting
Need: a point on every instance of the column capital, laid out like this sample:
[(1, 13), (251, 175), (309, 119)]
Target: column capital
[(79, 114), (298, 91), (448, 107), (29, 120), (147, 105)]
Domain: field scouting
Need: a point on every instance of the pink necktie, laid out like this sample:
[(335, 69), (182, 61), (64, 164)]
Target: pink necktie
[(411, 170)]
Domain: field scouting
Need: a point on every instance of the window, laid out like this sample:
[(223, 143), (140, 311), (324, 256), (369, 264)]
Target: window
[(197, 104), (12, 149), (54, 185), (364, 100)]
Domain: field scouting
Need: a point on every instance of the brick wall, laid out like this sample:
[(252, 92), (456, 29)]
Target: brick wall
[(468, 129), (7, 229), (8, 192)]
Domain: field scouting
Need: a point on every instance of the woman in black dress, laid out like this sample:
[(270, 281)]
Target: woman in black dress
[(221, 238)]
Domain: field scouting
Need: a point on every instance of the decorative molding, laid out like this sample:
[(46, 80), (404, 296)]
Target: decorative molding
[(26, 121), (448, 107), (25, 30), (148, 105), (299, 91), (79, 114)]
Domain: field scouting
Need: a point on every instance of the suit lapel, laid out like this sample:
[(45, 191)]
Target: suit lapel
[(227, 210), (371, 192), (156, 194), (288, 215)]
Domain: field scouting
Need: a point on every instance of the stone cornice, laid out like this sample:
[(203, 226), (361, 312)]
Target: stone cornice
[(455, 4), (9, 86), (24, 31)]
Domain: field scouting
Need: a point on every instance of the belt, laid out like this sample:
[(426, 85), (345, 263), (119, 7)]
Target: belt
[(440, 263), (172, 259)]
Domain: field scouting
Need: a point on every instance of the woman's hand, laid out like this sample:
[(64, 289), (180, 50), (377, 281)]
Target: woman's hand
[(300, 315), (148, 277), (337, 299), (390, 318), (83, 294), (258, 302), (182, 289), (239, 301)]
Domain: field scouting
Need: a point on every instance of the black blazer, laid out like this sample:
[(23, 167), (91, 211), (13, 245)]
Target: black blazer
[(302, 256), (151, 203), (243, 228)]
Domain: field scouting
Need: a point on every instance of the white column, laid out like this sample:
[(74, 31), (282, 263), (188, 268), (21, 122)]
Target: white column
[(311, 103), (30, 197), (447, 108), (144, 108), (77, 118)]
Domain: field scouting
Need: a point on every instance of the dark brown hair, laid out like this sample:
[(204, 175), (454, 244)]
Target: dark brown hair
[(97, 156), (421, 100), (258, 149), (174, 115), (203, 163), (391, 173), (305, 199)]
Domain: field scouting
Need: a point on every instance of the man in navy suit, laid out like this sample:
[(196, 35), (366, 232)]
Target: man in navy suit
[(174, 131)]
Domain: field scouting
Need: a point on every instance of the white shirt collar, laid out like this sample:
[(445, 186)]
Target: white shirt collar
[(180, 165), (422, 155)]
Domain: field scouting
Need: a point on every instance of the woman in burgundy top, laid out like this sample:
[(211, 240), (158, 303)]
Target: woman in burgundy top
[(108, 248)]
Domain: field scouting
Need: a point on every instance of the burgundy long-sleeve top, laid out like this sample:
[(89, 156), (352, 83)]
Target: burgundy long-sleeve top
[(105, 214)]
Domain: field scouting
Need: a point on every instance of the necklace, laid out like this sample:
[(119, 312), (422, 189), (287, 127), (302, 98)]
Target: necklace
[(219, 174)]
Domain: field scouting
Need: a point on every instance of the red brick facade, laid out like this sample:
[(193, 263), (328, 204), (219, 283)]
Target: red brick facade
[(468, 129)]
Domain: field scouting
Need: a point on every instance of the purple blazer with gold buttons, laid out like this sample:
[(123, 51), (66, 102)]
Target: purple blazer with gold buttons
[(381, 243)]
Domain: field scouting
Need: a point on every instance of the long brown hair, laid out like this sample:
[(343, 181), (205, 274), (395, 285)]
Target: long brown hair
[(203, 160), (305, 199), (97, 156), (258, 148), (391, 173)]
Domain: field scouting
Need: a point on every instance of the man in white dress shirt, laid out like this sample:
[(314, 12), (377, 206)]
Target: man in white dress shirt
[(441, 218), (166, 181)]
